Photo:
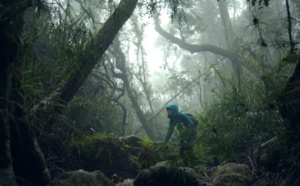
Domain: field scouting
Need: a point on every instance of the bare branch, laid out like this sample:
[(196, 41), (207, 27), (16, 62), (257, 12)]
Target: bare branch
[(205, 48)]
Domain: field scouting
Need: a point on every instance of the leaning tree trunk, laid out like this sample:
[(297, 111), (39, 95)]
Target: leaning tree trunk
[(142, 75), (121, 61), (87, 60), (28, 162)]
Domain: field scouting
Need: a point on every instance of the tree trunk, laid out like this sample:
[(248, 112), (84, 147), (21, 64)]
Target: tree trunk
[(142, 74), (223, 7), (124, 118), (289, 107), (121, 60), (8, 55), (87, 60), (28, 162), (290, 98)]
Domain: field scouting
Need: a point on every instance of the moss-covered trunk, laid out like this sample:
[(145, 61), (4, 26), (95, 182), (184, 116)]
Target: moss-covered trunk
[(20, 156), (87, 60)]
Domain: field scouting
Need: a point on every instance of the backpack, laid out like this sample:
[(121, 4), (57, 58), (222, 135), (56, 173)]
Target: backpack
[(193, 118)]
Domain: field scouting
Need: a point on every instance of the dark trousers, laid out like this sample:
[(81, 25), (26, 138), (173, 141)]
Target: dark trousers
[(186, 151)]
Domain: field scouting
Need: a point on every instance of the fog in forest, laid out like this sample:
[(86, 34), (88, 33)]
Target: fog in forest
[(89, 84)]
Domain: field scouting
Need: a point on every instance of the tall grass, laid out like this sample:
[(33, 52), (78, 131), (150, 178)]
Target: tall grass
[(243, 116)]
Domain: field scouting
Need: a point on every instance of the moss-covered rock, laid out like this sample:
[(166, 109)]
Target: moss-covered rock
[(124, 156), (110, 155), (232, 174), (81, 178), (164, 174)]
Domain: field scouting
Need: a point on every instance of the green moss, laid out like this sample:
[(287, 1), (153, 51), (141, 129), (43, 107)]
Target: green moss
[(146, 142), (86, 145)]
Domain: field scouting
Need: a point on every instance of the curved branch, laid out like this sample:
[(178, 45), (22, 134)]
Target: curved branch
[(205, 48)]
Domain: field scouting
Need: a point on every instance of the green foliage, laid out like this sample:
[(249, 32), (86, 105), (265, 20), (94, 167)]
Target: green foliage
[(54, 41), (33, 88), (152, 152), (146, 156), (94, 113), (86, 145), (53, 38), (146, 142), (242, 116)]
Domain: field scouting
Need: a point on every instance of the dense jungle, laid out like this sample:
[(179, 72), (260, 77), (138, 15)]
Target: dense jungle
[(89, 90)]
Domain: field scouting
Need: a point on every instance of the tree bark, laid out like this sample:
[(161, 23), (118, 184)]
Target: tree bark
[(121, 60), (223, 8), (289, 107), (8, 55), (154, 122), (28, 160), (124, 119), (206, 48), (289, 100), (17, 141), (141, 75)]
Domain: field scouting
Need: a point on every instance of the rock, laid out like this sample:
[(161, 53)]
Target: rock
[(112, 156), (205, 172), (81, 178), (232, 174), (124, 156), (7, 179), (132, 141), (127, 182), (163, 174)]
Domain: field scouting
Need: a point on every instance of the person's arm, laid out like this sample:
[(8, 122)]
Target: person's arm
[(170, 132)]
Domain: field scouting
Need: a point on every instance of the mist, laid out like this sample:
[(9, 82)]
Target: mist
[(89, 85)]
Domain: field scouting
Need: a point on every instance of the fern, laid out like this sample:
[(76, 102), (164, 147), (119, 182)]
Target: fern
[(244, 115)]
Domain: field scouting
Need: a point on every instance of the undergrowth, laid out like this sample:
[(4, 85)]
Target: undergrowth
[(243, 116), (87, 144)]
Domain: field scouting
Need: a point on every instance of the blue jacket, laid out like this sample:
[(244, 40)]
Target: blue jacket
[(183, 123)]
